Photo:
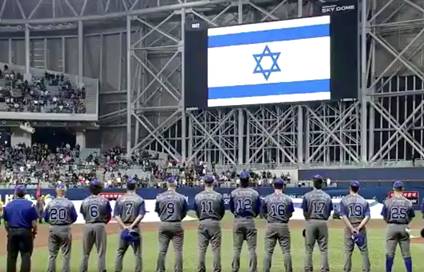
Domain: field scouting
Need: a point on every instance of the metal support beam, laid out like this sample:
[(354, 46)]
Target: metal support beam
[(27, 52), (129, 87), (80, 52), (364, 77)]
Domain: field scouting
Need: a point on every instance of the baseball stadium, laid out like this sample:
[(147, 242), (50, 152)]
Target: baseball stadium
[(211, 135)]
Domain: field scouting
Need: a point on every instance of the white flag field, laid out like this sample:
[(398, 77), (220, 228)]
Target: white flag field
[(273, 62)]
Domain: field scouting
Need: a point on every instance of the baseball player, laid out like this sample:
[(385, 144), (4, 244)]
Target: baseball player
[(172, 208), (209, 207), (355, 212), (277, 208), (1, 210), (20, 218), (97, 213), (398, 212), (129, 211), (317, 207), (245, 205), (60, 213)]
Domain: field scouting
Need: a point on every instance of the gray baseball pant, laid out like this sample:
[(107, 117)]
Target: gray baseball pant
[(209, 232), (316, 231), (397, 234), (277, 232), (244, 230), (60, 237), (94, 234), (170, 231), (123, 246), (350, 246)]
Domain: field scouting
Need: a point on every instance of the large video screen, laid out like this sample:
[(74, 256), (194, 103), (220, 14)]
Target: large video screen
[(273, 62)]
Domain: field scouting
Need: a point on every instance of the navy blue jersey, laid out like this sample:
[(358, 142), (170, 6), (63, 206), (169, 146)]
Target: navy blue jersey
[(20, 213), (209, 205), (96, 209), (60, 211), (277, 208), (398, 210), (317, 204), (245, 203), (171, 206), (128, 207), (355, 208)]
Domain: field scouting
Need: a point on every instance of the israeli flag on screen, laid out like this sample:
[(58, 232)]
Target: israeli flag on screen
[(273, 62)]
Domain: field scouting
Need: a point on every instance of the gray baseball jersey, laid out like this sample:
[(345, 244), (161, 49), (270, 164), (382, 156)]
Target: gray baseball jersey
[(60, 213), (97, 212), (171, 208), (128, 207), (96, 209), (317, 207), (277, 209), (209, 207), (398, 212), (245, 205), (355, 208)]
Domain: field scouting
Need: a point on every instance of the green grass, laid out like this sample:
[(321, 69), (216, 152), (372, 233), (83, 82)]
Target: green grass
[(375, 236)]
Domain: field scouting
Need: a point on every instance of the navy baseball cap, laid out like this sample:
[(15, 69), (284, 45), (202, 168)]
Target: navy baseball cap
[(171, 179), (358, 239), (20, 189), (279, 181), (209, 179), (130, 236), (398, 184), (131, 182), (355, 183), (61, 187), (96, 182), (244, 175)]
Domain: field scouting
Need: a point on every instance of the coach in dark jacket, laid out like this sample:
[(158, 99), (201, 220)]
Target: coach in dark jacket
[(20, 218)]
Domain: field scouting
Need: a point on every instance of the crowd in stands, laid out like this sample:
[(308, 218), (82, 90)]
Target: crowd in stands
[(51, 93), (37, 164)]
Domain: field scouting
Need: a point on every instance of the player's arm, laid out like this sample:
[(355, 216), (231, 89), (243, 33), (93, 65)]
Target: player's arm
[(305, 208), (222, 207), (117, 212), (140, 216), (290, 209), (34, 217), (366, 218), (343, 214), (264, 209), (184, 209), (232, 204), (257, 206), (108, 212), (6, 218), (73, 214), (384, 212), (47, 214)]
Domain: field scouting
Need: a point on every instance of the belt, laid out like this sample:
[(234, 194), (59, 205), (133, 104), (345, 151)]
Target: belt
[(285, 222), (395, 223), (211, 219), (60, 224), (172, 221), (20, 228)]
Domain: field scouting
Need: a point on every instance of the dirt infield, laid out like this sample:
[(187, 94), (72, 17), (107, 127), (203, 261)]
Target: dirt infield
[(42, 241)]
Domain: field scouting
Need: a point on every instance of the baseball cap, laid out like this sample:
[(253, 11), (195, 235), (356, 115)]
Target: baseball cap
[(209, 179), (358, 239), (171, 179), (279, 181), (355, 183), (96, 182), (398, 184), (61, 187), (130, 236), (244, 174), (318, 178), (131, 182), (20, 189)]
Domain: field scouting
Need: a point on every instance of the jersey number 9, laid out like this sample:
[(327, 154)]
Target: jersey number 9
[(355, 210)]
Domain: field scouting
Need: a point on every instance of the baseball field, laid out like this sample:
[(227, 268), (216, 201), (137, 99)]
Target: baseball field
[(376, 233)]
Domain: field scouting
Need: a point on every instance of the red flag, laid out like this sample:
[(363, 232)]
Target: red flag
[(38, 192)]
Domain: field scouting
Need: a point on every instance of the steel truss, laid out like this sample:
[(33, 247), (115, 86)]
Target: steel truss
[(385, 124)]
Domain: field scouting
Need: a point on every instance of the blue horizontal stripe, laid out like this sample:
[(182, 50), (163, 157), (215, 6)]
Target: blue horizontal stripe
[(282, 34), (281, 88)]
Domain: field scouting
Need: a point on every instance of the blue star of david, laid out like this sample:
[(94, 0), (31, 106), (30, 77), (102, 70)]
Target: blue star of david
[(266, 54)]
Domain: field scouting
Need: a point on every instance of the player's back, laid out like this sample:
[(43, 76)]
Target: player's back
[(60, 211), (354, 207), (398, 210), (209, 205), (317, 205), (129, 206), (278, 208), (96, 209), (171, 206), (245, 203)]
